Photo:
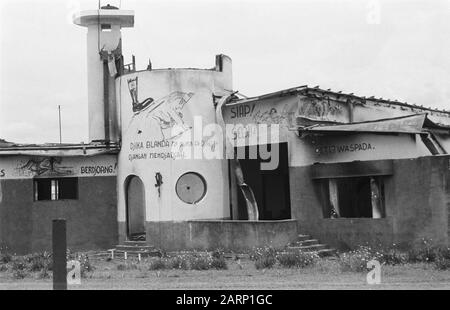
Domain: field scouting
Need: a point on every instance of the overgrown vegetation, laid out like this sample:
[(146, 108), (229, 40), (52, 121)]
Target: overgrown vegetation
[(355, 260), (185, 261), (38, 264), (297, 259), (268, 257), (265, 258), (423, 252)]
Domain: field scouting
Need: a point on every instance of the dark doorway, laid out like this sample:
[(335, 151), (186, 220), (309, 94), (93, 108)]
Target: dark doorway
[(135, 199), (270, 187)]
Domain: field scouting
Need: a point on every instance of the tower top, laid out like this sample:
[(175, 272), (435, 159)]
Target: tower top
[(106, 15)]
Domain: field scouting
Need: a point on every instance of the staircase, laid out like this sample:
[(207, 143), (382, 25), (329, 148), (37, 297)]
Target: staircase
[(305, 243), (134, 248)]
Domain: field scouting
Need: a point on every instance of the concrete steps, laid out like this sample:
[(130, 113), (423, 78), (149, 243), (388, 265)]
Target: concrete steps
[(305, 243)]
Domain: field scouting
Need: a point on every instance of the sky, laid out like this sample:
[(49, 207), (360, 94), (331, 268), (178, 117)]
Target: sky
[(396, 49)]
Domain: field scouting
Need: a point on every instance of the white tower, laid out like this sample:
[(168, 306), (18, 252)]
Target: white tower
[(104, 58)]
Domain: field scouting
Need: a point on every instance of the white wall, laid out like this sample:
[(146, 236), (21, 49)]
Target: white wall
[(141, 131), (325, 148)]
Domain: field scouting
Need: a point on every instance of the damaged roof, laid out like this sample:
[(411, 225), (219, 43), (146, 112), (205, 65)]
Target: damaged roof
[(412, 124), (58, 149), (305, 89)]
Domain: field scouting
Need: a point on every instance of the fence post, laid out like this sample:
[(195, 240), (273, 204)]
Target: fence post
[(59, 244)]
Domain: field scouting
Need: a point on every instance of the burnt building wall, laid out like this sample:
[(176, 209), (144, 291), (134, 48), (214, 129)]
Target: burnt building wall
[(417, 200), (26, 225)]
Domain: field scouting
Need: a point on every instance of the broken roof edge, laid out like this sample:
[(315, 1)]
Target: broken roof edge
[(61, 150), (386, 125), (304, 89)]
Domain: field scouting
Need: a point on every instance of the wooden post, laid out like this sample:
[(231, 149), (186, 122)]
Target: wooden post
[(59, 244)]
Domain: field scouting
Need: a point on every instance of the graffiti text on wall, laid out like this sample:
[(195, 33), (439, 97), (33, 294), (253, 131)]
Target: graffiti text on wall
[(344, 148), (320, 109), (164, 149), (242, 111), (166, 112), (40, 166), (261, 115), (98, 170)]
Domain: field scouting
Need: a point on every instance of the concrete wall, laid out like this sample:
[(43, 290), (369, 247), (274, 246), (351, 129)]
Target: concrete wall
[(417, 196), (26, 225), (227, 235), (321, 148), (165, 128)]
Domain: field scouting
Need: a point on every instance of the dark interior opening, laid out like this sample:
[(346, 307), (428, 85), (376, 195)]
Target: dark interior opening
[(270, 187), (353, 197), (56, 189), (135, 208), (68, 188)]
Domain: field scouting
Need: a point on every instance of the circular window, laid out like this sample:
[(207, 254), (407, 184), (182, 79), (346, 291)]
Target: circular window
[(191, 187)]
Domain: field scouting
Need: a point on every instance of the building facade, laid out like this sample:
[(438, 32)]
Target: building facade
[(345, 169)]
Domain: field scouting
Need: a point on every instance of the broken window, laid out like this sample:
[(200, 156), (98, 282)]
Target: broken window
[(354, 197), (56, 189), (106, 27)]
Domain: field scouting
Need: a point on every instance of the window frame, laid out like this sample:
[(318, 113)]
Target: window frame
[(55, 189), (330, 212)]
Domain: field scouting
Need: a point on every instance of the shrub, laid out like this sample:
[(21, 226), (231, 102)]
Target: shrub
[(85, 265), (219, 254), (44, 274), (158, 264), (264, 257), (424, 252), (442, 260), (297, 259), (219, 263), (442, 263), (357, 259), (179, 262), (202, 262), (198, 261), (39, 261), (265, 262), (393, 257), (5, 258), (18, 264)]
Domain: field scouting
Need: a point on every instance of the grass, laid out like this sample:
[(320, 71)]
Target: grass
[(325, 274), (265, 269)]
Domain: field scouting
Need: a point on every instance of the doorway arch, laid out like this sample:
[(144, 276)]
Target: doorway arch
[(135, 208)]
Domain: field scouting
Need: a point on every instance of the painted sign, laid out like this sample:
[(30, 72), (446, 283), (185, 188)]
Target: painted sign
[(247, 117), (344, 148), (22, 167), (165, 128), (364, 146), (322, 109), (283, 111), (165, 114)]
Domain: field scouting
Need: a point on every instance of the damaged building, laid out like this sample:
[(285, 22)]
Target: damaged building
[(350, 170)]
